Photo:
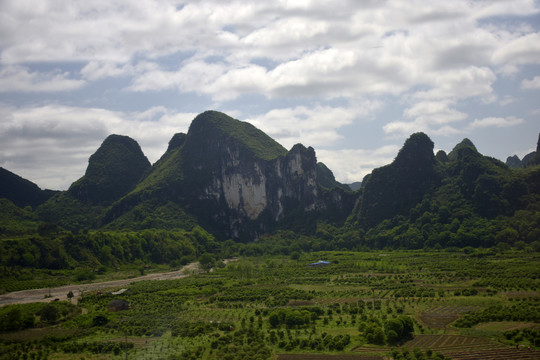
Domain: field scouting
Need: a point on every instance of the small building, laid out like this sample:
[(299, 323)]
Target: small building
[(320, 263)]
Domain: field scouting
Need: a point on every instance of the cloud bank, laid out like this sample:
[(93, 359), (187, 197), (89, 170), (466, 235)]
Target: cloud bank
[(350, 79)]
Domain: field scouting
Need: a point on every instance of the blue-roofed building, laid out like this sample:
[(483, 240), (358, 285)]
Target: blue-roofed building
[(320, 263)]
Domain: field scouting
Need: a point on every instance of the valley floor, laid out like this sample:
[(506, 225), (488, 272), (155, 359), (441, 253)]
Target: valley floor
[(377, 305)]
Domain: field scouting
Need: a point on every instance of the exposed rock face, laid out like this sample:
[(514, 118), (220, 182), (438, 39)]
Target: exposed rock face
[(250, 189), (237, 181), (249, 179), (513, 161)]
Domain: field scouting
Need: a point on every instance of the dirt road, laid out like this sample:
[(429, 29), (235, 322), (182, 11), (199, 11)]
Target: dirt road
[(60, 293)]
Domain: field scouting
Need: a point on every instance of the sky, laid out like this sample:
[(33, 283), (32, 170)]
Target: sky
[(353, 78)]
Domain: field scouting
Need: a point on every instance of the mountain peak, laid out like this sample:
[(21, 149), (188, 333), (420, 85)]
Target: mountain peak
[(513, 161), (212, 128), (112, 156), (418, 149), (113, 170), (464, 145), (395, 188), (176, 141)]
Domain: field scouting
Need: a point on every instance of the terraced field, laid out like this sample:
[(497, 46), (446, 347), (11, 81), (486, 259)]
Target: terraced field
[(451, 342), (442, 316), (494, 354), (327, 357), (460, 347), (279, 308)]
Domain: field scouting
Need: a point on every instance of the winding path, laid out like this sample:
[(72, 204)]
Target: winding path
[(60, 293)]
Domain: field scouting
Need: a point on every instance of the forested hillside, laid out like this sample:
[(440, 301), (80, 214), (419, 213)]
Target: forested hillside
[(248, 194)]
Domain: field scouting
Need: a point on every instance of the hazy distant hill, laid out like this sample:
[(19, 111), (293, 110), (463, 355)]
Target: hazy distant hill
[(530, 159)]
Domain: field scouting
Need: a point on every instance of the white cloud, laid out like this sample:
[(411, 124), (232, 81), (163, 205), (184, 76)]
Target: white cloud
[(286, 31), (21, 79), (534, 83), (434, 112), (435, 63), (522, 49), (96, 70), (35, 140), (319, 50), (318, 126), (432, 117), (486, 9), (195, 76), (507, 99), (350, 165), (458, 84), (311, 127), (496, 122)]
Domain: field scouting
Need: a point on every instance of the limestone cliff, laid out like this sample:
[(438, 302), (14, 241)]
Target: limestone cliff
[(250, 179), (237, 181)]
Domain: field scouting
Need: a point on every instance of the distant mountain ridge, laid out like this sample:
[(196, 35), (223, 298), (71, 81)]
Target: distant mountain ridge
[(530, 159), (20, 191), (238, 183), (224, 173)]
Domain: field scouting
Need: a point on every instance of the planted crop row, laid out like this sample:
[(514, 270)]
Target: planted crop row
[(446, 341), (495, 354)]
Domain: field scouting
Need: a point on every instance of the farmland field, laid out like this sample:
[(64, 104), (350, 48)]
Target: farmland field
[(326, 357), (362, 306)]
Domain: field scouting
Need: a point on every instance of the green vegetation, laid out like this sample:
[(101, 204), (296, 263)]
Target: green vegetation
[(15, 220), (113, 170), (469, 200), (256, 307), (432, 257), (242, 133), (63, 256), (20, 191)]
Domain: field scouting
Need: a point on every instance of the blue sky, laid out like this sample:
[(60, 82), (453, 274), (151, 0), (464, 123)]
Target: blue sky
[(352, 79)]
